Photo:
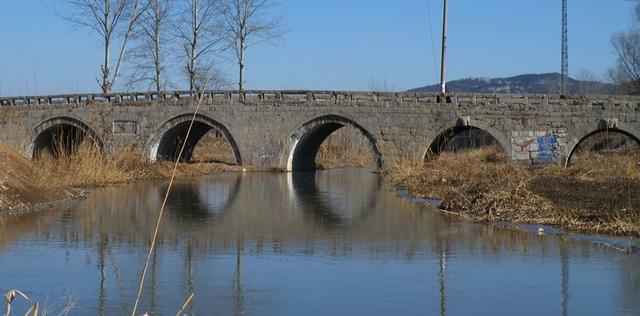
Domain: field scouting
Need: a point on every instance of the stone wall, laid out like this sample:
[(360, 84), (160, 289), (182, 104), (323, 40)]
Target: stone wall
[(269, 126)]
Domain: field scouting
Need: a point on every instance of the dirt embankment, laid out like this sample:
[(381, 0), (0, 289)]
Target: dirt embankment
[(19, 185), (594, 195)]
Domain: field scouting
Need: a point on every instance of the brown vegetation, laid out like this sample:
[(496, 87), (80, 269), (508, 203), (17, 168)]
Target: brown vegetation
[(50, 177), (213, 147), (483, 185), (87, 166), (17, 186), (345, 148)]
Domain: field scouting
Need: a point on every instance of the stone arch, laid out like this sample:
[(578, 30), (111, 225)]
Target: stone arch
[(463, 125), (72, 131), (165, 144), (305, 142), (600, 126)]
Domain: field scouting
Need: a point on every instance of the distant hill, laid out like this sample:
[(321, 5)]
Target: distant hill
[(529, 83)]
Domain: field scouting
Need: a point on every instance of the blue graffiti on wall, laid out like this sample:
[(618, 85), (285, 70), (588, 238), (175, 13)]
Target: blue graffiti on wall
[(547, 146)]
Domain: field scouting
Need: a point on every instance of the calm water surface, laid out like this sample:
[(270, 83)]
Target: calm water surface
[(327, 243)]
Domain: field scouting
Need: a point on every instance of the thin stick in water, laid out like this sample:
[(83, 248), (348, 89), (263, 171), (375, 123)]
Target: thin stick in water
[(164, 203)]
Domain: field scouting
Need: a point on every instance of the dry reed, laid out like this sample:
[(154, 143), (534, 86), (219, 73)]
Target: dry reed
[(88, 166), (345, 148), (483, 185), (34, 307), (213, 147)]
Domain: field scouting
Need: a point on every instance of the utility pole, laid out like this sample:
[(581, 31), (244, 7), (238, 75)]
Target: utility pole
[(443, 62), (565, 49)]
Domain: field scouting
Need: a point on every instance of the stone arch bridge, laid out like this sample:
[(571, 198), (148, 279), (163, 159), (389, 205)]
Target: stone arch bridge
[(284, 129)]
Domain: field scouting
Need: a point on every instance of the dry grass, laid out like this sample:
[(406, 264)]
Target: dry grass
[(47, 179), (18, 188), (213, 147), (345, 148), (88, 166), (34, 308), (12, 295), (483, 185)]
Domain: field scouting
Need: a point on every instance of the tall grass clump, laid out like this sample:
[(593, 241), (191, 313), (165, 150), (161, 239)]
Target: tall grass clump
[(481, 183), (484, 185), (87, 165)]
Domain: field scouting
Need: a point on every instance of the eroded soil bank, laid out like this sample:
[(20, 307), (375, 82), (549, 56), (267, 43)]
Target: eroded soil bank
[(18, 185), (596, 195)]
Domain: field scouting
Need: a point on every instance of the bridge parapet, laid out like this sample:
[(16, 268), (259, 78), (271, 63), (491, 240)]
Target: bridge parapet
[(335, 97)]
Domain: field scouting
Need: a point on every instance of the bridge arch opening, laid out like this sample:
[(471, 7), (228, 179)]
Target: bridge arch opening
[(209, 141), (313, 142), (464, 138), (62, 136), (603, 143)]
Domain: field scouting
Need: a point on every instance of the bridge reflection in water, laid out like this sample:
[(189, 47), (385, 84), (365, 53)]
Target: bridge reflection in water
[(306, 243)]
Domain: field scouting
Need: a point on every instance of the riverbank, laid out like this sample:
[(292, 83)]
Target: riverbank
[(88, 167), (19, 188), (593, 195), (28, 185)]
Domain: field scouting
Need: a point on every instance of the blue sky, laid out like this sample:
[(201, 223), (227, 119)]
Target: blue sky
[(340, 44)]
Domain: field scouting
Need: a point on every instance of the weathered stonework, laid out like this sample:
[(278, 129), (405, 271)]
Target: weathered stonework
[(276, 129)]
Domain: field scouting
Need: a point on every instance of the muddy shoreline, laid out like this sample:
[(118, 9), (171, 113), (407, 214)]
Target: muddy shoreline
[(43, 206), (624, 244)]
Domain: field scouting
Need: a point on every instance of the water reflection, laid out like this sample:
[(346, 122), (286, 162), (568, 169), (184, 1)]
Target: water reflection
[(564, 257), (443, 281), (311, 243), (335, 198), (201, 199)]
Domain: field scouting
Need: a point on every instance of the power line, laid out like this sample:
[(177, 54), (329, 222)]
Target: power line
[(433, 44)]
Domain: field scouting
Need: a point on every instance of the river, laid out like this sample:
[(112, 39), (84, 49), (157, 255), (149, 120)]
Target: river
[(337, 242)]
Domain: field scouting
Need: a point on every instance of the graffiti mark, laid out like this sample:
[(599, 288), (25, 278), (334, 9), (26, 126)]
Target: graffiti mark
[(547, 146), (525, 144), (265, 154), (538, 146)]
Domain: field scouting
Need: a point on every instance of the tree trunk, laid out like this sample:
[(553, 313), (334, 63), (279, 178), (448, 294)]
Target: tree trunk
[(105, 67), (241, 81), (241, 66), (157, 47), (107, 46), (192, 76)]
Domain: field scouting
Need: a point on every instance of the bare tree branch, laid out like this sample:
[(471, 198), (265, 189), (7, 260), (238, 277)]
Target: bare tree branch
[(149, 55), (106, 17), (626, 72), (247, 22), (199, 35)]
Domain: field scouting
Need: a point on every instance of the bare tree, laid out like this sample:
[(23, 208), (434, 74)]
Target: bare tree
[(626, 72), (380, 84), (200, 39), (111, 19), (587, 82), (247, 22), (149, 56)]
